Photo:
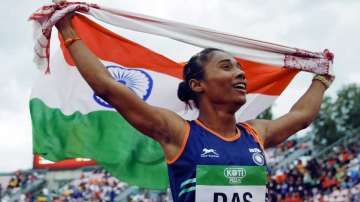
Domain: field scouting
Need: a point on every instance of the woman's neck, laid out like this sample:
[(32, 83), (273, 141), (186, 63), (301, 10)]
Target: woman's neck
[(219, 119)]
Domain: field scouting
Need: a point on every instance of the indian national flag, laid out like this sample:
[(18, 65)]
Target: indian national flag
[(70, 121)]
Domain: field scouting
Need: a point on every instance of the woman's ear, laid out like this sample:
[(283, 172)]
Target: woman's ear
[(196, 85)]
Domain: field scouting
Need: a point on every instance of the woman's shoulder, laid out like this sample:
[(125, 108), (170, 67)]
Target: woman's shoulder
[(250, 127)]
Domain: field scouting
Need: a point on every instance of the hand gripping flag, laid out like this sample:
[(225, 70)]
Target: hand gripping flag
[(69, 120)]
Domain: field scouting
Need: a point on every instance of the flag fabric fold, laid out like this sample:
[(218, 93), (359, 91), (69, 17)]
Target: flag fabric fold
[(69, 120), (254, 50)]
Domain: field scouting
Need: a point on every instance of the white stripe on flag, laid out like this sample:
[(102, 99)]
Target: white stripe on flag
[(67, 90)]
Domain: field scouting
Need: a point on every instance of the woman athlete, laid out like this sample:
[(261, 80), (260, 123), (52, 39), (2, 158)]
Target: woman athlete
[(215, 83)]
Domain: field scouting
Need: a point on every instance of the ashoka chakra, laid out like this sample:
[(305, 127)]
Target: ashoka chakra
[(136, 80)]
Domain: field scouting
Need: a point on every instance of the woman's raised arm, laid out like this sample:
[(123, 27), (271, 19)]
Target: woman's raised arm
[(160, 124), (300, 116)]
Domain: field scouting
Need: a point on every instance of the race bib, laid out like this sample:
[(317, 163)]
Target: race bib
[(219, 183)]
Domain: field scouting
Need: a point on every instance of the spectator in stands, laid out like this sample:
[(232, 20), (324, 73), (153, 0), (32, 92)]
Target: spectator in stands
[(355, 193), (293, 197), (13, 183), (300, 167)]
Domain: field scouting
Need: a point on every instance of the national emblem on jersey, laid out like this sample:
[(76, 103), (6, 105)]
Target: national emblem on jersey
[(136, 80), (257, 156)]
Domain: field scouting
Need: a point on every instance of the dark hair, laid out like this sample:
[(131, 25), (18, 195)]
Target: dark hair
[(194, 69)]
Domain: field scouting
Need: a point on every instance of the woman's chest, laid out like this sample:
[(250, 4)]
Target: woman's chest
[(211, 151)]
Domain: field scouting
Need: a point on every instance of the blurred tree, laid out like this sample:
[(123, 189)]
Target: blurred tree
[(338, 118), (324, 126), (347, 108), (267, 114)]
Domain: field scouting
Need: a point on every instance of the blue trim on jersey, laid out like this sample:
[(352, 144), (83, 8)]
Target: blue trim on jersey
[(204, 148)]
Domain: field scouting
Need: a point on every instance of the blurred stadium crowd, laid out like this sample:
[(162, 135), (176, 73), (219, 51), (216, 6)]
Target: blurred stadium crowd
[(95, 185), (334, 177)]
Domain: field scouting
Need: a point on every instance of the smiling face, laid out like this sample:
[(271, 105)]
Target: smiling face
[(224, 82)]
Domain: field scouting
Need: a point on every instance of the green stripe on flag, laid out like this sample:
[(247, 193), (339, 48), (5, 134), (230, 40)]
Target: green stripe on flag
[(230, 175), (103, 136)]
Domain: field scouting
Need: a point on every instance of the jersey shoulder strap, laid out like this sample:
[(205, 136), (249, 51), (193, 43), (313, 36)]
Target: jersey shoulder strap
[(252, 131)]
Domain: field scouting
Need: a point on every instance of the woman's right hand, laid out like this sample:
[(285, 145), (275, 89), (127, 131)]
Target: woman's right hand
[(65, 22)]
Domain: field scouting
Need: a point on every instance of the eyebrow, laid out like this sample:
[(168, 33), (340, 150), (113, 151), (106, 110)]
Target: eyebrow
[(224, 60), (228, 60)]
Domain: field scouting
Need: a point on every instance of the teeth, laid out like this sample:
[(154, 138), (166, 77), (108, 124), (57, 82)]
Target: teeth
[(240, 85)]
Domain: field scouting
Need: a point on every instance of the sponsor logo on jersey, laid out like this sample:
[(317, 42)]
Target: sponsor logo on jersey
[(234, 174), (209, 153), (252, 150)]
